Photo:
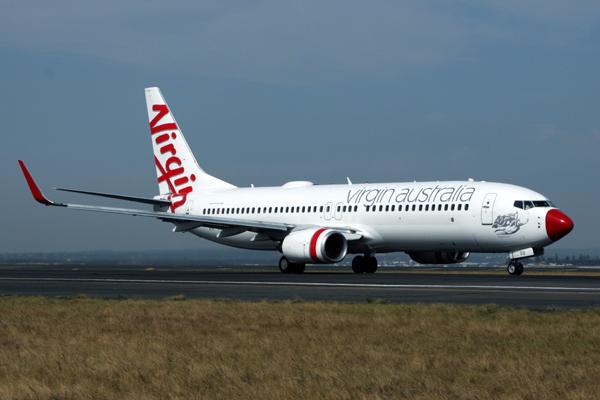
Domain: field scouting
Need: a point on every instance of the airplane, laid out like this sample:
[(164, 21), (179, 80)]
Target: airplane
[(433, 222)]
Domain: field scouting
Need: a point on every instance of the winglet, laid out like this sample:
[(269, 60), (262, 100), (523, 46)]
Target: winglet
[(35, 190)]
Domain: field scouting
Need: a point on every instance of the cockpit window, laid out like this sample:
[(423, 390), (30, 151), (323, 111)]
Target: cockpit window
[(526, 204), (542, 203)]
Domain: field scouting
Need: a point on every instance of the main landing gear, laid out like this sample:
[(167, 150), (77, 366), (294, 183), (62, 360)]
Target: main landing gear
[(515, 267), (366, 264), (288, 267)]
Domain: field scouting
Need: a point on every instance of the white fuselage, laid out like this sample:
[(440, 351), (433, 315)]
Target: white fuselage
[(414, 216)]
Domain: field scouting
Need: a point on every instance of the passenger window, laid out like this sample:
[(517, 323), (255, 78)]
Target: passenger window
[(355, 208), (203, 211), (466, 207), (439, 207), (393, 207), (248, 210), (270, 210), (420, 207), (328, 208), (258, 210), (242, 210), (459, 207), (338, 208), (303, 209), (427, 207), (387, 208), (380, 208), (445, 207), (368, 208), (518, 204), (292, 209), (452, 207), (400, 207), (252, 210), (414, 207), (344, 209), (321, 208)]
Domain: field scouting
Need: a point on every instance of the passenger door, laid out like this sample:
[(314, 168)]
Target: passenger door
[(487, 209)]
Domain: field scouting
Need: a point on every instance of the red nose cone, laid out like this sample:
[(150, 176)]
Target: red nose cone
[(558, 224)]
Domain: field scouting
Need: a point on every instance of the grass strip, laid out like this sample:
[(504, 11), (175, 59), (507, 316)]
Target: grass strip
[(182, 349)]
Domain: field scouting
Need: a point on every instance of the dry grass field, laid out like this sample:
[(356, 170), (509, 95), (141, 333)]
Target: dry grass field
[(200, 349)]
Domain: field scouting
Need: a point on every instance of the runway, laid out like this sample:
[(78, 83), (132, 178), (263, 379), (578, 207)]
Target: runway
[(535, 289)]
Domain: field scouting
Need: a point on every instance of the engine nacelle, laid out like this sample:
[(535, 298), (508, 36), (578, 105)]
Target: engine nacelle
[(439, 257), (315, 245)]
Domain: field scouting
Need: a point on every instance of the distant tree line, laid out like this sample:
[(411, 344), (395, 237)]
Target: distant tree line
[(580, 260)]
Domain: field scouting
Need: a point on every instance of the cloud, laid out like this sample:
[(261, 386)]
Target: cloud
[(284, 42)]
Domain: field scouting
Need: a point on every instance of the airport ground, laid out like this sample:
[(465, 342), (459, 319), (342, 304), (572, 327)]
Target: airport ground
[(108, 332), (537, 288), (82, 348)]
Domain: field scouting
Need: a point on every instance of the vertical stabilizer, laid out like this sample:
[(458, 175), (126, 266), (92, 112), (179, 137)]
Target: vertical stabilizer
[(176, 168)]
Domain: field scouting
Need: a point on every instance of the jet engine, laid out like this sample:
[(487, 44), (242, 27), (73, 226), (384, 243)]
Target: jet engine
[(439, 257), (315, 245)]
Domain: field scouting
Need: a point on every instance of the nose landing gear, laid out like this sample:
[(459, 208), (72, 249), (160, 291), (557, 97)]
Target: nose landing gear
[(515, 267)]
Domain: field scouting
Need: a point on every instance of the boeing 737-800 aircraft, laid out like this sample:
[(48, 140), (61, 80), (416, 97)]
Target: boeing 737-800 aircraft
[(433, 222)]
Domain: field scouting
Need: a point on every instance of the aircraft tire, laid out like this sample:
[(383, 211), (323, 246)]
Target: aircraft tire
[(358, 264), (520, 269), (298, 268), (285, 266), (371, 265), (512, 268)]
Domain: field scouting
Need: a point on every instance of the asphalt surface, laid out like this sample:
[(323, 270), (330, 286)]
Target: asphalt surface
[(535, 289)]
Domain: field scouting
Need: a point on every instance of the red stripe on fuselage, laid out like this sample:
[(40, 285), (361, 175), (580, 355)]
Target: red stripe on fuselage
[(313, 245)]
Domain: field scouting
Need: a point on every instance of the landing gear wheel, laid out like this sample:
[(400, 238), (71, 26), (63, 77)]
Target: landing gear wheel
[(515, 268), (285, 266), (358, 264), (288, 267), (371, 265), (520, 268), (298, 268)]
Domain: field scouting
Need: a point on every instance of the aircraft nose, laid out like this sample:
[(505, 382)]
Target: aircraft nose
[(558, 224)]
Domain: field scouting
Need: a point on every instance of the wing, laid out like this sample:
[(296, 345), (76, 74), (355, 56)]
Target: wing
[(183, 222)]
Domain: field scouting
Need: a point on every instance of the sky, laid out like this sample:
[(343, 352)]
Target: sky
[(268, 92)]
